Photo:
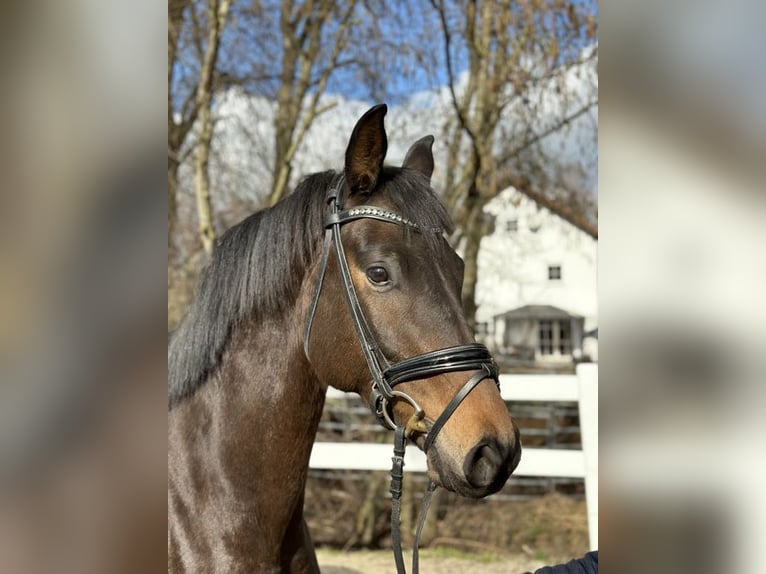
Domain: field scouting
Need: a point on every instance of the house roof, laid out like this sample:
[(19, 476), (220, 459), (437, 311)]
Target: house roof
[(537, 312), (523, 186)]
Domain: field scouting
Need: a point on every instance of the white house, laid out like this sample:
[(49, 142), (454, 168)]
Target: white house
[(536, 290)]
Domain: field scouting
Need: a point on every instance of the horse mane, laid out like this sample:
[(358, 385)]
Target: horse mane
[(258, 266)]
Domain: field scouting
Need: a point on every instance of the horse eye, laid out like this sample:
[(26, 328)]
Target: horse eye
[(377, 274)]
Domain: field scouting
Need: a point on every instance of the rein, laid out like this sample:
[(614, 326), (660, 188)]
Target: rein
[(386, 376)]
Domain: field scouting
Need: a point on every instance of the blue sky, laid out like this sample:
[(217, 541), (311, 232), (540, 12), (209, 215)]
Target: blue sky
[(401, 72)]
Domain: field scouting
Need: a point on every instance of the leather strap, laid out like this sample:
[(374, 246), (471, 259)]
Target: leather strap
[(317, 291), (376, 361), (397, 475), (421, 522), (332, 195), (433, 432), (367, 212), (460, 358)]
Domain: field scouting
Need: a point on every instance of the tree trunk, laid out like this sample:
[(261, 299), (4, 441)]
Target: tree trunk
[(282, 167), (176, 10), (202, 182), (281, 179), (217, 14), (172, 203), (475, 228)]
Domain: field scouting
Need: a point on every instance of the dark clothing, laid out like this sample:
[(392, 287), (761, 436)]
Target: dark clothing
[(588, 564)]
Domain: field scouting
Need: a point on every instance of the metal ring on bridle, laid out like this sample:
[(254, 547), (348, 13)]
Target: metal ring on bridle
[(419, 412)]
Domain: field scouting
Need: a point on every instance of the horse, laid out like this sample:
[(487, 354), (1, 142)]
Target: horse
[(348, 282)]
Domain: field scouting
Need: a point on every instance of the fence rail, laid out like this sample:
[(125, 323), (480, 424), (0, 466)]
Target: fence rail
[(556, 463)]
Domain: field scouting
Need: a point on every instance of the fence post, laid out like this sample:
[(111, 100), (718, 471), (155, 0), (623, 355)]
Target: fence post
[(587, 378)]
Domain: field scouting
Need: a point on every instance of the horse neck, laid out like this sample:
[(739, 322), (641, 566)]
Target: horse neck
[(256, 420)]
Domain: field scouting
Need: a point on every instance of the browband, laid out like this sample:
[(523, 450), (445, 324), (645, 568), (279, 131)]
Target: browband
[(367, 212)]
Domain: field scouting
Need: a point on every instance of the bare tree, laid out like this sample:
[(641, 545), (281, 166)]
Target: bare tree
[(306, 68), (177, 130), (514, 51), (193, 78), (216, 21)]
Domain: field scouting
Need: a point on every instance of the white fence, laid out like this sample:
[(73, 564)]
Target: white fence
[(581, 388)]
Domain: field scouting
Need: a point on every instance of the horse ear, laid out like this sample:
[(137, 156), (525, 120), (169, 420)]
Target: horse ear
[(420, 156), (366, 150)]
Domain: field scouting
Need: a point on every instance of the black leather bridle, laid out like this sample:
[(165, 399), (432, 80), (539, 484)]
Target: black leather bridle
[(386, 376)]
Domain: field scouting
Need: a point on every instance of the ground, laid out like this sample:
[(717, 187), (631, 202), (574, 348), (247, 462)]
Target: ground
[(487, 537), (463, 535), (438, 561)]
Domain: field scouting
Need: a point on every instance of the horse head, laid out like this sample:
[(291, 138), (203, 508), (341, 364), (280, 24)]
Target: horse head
[(385, 318)]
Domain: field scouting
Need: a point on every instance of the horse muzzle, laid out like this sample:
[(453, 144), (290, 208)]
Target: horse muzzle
[(481, 470)]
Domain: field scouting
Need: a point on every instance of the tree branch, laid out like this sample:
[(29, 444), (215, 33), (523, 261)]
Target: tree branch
[(545, 133), (450, 72)]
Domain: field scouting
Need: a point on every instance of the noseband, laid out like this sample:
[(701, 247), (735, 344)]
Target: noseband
[(386, 376)]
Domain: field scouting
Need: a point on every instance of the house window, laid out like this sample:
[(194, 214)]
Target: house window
[(565, 337), (483, 328), (554, 272), (555, 337), (512, 225), (546, 337)]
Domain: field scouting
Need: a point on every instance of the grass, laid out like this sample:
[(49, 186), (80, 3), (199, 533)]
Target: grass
[(535, 529)]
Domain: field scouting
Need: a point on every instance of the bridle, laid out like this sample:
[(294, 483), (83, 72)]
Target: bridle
[(387, 376)]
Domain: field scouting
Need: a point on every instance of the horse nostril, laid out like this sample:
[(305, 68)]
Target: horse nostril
[(486, 465)]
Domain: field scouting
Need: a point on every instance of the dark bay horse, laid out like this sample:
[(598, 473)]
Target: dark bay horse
[(352, 257)]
